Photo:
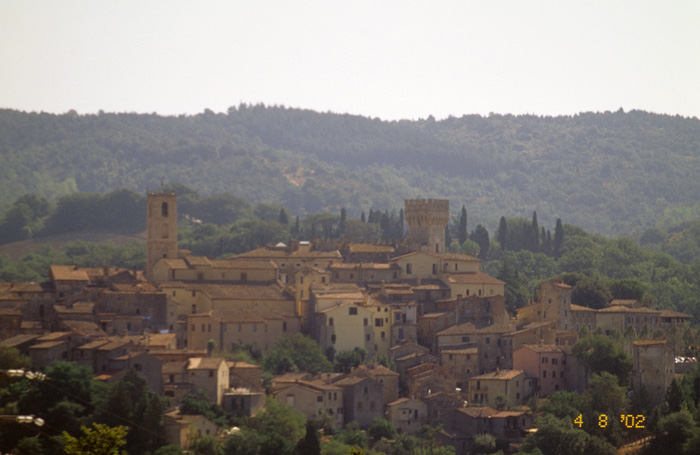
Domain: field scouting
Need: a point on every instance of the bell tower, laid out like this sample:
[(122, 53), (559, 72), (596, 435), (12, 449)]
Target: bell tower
[(161, 229), (426, 219)]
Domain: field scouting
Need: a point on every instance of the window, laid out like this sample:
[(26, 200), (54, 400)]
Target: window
[(333, 339), (378, 322), (465, 339), (319, 399), (164, 209), (366, 390), (284, 326), (352, 310), (330, 321), (365, 322), (202, 327), (544, 373), (408, 269), (352, 276), (211, 373), (488, 340), (554, 361), (383, 336), (561, 374), (367, 337), (208, 327), (435, 269)]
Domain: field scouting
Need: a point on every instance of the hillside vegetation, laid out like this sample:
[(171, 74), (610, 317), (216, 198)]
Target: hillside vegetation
[(610, 173)]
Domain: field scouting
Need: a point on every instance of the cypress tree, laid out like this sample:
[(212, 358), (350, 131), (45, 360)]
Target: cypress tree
[(362, 217), (341, 223), (283, 218), (401, 224), (535, 235), (462, 231), (502, 233), (558, 238)]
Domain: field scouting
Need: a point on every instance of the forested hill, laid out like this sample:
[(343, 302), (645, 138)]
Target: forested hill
[(612, 173)]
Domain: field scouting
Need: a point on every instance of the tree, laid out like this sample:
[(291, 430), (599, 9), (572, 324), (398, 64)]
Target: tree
[(298, 353), (381, 428), (564, 405), (502, 233), (283, 217), (672, 432), (342, 222), (481, 237), (558, 437), (535, 234), (345, 361), (309, 444), (626, 289), (98, 440), (484, 443), (558, 238), (591, 294), (129, 401), (598, 354), (462, 228), (11, 358)]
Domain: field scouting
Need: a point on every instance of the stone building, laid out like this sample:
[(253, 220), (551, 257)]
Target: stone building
[(161, 229), (426, 220)]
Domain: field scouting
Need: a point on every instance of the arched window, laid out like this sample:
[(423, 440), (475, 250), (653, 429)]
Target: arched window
[(164, 209)]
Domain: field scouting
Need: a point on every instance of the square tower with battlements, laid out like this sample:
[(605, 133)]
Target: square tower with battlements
[(426, 219), (161, 229)]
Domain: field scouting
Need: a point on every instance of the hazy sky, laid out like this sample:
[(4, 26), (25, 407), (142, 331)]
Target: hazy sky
[(387, 59)]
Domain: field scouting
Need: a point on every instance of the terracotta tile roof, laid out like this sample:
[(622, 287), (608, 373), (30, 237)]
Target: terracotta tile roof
[(68, 273), (355, 296), (54, 336), (544, 347), (624, 309), (177, 263), (48, 344), (472, 278), (581, 308), (18, 340), (237, 263), (78, 308), (241, 291), (265, 253), (460, 351), (178, 366), (624, 302), (506, 414), (648, 342), (362, 266), (93, 345), (469, 329), (370, 248), (197, 260), (248, 316), (500, 375), (205, 363), (674, 314), (478, 411), (239, 364)]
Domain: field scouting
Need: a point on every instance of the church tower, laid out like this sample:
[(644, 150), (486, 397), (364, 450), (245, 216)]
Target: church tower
[(161, 229), (426, 219)]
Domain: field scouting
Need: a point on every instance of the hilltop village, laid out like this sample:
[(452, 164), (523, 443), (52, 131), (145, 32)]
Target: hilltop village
[(458, 360)]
